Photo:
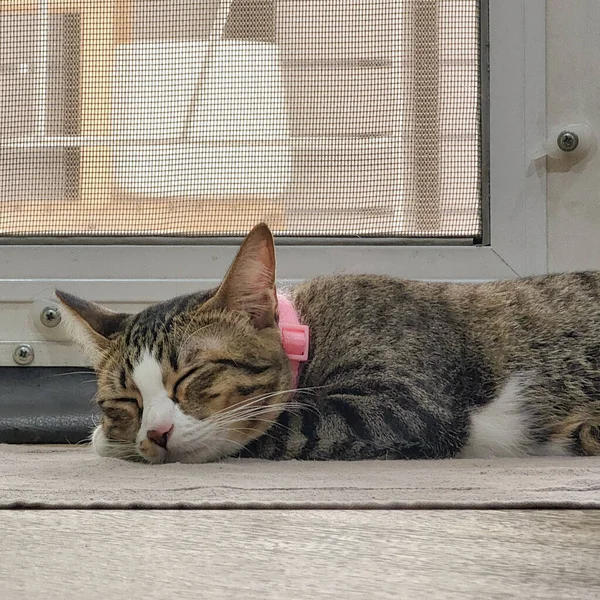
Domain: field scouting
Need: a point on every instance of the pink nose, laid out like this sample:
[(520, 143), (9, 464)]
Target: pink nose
[(160, 435)]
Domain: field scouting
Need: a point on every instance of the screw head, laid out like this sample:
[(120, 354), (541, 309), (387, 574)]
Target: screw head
[(23, 354), (567, 141), (50, 316)]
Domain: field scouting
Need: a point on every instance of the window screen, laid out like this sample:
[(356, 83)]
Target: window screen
[(201, 118)]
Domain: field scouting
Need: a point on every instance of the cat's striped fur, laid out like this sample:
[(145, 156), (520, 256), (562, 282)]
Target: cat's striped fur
[(397, 369)]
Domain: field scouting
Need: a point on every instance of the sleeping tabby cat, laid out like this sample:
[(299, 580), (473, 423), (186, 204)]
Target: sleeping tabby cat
[(396, 369)]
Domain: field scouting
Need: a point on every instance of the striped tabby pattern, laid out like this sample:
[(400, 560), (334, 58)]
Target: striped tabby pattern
[(397, 369)]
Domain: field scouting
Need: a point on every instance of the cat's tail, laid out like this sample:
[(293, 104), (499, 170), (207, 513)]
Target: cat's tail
[(581, 433)]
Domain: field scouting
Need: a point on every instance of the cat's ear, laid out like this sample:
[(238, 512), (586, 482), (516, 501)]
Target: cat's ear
[(89, 324), (249, 285)]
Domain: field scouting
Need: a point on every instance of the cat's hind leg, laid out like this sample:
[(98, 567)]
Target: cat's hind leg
[(500, 428), (527, 417)]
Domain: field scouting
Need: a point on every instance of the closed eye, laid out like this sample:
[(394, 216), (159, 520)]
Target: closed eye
[(117, 410), (223, 364), (130, 400), (181, 380), (117, 401)]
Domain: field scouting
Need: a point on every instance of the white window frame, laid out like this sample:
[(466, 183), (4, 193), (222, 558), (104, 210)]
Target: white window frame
[(131, 275)]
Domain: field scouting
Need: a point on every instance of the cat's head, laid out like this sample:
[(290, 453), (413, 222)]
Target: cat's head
[(192, 379)]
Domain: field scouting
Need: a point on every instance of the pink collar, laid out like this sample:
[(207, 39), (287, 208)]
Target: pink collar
[(294, 336)]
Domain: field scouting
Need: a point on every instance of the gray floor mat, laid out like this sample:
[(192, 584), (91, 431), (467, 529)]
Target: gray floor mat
[(63, 476)]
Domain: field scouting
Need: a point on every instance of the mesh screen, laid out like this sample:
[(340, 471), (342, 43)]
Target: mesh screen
[(197, 118)]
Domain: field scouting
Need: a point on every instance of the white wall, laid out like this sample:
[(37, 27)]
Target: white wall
[(573, 87)]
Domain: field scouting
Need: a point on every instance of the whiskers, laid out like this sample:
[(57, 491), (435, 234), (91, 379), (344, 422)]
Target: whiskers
[(210, 438), (255, 408), (94, 399), (121, 449), (82, 371), (86, 441)]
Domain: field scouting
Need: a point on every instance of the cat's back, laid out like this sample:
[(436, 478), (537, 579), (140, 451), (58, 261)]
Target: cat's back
[(365, 300), (503, 319), (363, 320), (368, 300), (371, 309)]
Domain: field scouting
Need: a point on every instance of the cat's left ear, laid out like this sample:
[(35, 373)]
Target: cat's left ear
[(249, 285), (89, 324)]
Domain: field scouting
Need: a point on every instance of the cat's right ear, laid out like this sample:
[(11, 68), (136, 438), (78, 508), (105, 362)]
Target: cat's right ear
[(89, 324), (249, 285)]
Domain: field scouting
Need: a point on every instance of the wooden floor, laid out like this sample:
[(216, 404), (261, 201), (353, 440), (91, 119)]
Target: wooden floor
[(263, 554)]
